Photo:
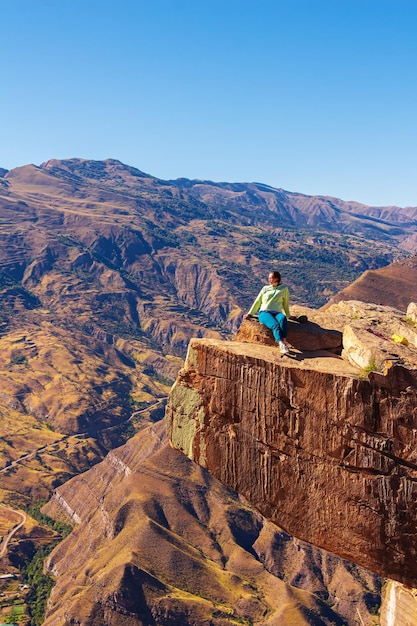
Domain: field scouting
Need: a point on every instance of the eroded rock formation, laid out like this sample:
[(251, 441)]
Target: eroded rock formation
[(320, 445)]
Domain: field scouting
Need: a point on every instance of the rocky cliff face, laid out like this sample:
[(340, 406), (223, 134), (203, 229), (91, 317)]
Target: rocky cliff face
[(317, 442), (400, 606)]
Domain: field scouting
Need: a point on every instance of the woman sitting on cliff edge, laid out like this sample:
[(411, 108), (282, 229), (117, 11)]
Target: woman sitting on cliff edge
[(273, 304)]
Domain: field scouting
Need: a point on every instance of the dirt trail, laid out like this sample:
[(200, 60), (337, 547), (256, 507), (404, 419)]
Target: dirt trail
[(83, 434), (9, 535)]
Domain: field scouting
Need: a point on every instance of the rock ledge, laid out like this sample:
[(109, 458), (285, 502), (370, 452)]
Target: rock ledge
[(322, 448)]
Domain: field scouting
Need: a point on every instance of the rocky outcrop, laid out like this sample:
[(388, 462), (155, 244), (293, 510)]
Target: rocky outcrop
[(412, 312), (306, 335), (399, 607), (318, 444)]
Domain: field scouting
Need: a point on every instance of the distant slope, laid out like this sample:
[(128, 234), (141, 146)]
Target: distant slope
[(228, 233), (242, 202), (394, 285)]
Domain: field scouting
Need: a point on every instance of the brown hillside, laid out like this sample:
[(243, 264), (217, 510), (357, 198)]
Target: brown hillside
[(394, 285), (171, 545)]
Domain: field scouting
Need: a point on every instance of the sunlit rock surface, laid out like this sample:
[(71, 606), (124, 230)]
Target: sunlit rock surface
[(322, 447), (399, 606)]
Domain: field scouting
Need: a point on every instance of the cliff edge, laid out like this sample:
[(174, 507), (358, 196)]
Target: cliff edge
[(323, 444)]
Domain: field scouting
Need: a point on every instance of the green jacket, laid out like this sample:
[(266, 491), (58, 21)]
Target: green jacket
[(272, 298)]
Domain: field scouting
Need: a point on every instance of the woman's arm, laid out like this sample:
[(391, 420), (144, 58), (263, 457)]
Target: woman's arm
[(256, 305), (286, 302)]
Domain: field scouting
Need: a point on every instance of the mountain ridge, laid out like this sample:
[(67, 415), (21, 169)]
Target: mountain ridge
[(83, 169), (284, 227), (69, 163)]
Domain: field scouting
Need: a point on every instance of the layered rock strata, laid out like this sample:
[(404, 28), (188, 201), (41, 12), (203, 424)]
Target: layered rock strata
[(321, 447)]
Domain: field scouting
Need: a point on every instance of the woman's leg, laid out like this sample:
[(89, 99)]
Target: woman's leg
[(283, 324), (276, 324)]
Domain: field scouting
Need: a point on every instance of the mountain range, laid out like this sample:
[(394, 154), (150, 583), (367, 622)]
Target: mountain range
[(190, 238), (106, 272)]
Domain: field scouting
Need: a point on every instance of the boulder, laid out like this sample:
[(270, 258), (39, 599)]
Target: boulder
[(307, 336), (374, 336), (412, 312)]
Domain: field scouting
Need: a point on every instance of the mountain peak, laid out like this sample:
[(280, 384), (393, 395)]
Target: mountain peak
[(91, 169)]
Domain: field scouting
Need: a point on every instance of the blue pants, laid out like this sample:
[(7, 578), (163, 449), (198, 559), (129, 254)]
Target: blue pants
[(277, 322)]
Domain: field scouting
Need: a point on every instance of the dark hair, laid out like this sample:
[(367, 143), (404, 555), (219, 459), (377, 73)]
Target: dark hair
[(276, 275)]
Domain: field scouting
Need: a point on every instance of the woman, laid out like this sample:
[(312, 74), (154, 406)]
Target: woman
[(273, 304)]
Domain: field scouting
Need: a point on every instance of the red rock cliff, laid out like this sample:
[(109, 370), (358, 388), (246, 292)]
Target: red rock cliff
[(315, 444)]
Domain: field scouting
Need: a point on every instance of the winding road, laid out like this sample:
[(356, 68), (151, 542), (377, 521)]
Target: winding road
[(9, 535), (30, 455)]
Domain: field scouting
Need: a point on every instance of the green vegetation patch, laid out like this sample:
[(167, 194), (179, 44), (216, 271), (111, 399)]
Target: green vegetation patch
[(59, 527), (40, 584), (32, 573)]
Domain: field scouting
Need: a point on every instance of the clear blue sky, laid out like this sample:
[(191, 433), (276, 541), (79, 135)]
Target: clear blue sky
[(315, 96)]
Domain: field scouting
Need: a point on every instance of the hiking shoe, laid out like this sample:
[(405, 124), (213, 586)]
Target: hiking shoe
[(283, 348)]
